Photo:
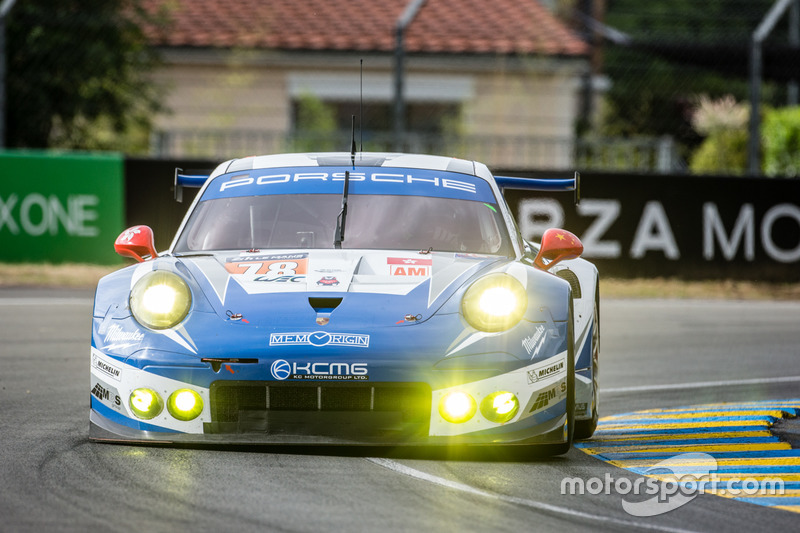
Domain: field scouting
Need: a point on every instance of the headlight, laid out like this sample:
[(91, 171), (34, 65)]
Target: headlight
[(500, 407), (457, 407), (145, 403), (160, 300), (494, 303), (185, 404)]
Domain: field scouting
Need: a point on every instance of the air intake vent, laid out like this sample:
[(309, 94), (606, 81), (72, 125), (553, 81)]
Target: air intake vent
[(570, 277), (324, 305)]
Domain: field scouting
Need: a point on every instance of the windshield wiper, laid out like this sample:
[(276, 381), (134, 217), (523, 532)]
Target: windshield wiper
[(341, 220)]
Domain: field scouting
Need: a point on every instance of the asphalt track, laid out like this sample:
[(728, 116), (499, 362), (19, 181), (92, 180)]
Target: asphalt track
[(671, 358)]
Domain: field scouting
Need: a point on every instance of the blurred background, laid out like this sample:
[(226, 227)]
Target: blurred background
[(637, 96), (621, 85)]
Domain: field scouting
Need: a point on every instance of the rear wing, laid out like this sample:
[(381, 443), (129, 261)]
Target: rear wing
[(542, 184), (193, 179)]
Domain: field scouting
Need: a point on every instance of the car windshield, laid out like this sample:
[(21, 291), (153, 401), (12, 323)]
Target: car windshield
[(308, 221)]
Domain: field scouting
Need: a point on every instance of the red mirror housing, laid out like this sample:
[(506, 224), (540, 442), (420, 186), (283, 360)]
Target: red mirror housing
[(557, 245), (136, 242)]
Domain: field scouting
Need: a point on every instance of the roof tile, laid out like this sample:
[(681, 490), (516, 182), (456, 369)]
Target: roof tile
[(441, 26)]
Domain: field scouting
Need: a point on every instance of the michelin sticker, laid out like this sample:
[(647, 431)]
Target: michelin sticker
[(545, 371)]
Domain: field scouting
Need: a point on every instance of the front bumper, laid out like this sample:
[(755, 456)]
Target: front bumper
[(327, 412)]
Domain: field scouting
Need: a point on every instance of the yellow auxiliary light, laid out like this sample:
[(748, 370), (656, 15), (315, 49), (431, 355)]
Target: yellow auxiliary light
[(145, 403), (500, 407), (495, 302), (457, 407), (160, 300), (185, 404)]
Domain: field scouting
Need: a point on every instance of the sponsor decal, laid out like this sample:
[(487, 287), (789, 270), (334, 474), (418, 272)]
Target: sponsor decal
[(282, 369), (328, 281), (534, 343), (544, 372), (422, 178), (107, 395), (118, 338), (406, 266), (552, 394), (128, 235), (319, 339), (107, 369), (281, 279), (281, 268)]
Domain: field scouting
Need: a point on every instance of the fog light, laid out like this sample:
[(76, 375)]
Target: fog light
[(145, 403), (500, 407), (457, 407), (185, 404)]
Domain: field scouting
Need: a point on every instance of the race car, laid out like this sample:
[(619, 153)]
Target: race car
[(348, 299)]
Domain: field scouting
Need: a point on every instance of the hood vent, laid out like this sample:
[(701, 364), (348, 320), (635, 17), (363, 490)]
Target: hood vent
[(324, 305)]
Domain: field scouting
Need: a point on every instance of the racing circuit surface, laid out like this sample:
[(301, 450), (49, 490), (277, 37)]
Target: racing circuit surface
[(679, 360)]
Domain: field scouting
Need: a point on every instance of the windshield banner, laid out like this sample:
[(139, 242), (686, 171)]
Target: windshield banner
[(330, 180)]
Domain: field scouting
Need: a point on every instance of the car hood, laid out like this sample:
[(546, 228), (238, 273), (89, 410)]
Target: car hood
[(277, 289)]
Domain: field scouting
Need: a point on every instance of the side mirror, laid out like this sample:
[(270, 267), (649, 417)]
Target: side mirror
[(557, 245), (136, 242)]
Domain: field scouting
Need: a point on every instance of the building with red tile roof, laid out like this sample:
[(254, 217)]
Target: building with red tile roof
[(239, 71)]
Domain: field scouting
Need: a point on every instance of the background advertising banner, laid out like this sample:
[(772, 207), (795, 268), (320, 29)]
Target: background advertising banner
[(60, 207), (690, 227)]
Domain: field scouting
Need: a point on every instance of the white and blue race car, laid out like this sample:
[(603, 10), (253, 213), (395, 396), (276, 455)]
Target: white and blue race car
[(338, 298)]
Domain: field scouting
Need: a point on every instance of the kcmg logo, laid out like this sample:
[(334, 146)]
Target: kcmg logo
[(280, 369)]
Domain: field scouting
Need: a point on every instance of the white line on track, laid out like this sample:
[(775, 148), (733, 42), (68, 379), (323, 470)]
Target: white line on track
[(701, 384), (44, 301), (539, 506)]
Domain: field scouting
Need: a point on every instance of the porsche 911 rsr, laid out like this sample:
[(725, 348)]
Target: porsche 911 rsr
[(348, 299)]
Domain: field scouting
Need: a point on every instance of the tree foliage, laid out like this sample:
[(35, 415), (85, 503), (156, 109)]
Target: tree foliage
[(652, 92), (77, 74), (780, 140), (315, 124), (723, 122)]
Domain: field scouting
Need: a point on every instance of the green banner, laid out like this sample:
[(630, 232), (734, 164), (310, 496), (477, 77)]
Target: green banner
[(59, 207)]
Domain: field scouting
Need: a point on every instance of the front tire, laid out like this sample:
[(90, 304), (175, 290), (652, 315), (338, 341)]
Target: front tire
[(584, 429)]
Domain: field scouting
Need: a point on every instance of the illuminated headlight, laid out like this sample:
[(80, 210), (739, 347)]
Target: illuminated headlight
[(500, 407), (185, 404), (457, 407), (494, 303), (145, 403), (160, 300)]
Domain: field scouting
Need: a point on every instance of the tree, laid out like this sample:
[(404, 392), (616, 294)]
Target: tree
[(780, 138), (77, 71), (679, 49), (723, 122)]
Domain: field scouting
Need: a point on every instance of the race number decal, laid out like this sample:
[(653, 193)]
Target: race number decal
[(270, 268)]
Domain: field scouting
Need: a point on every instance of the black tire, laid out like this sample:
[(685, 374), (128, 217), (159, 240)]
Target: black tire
[(584, 429)]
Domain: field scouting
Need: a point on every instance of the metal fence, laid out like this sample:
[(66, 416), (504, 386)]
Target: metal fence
[(643, 154)]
